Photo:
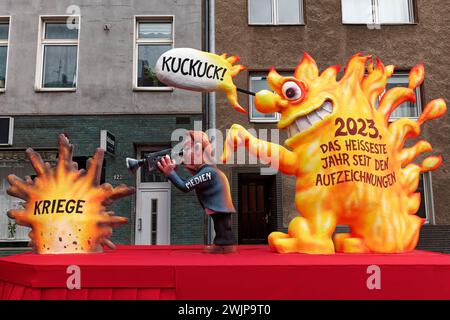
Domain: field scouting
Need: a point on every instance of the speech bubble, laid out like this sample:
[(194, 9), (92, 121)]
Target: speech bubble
[(200, 71)]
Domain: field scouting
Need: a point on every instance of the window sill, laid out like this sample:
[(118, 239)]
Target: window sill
[(392, 119), (2, 90), (263, 121), (55, 89), (380, 24), (153, 89), (276, 25)]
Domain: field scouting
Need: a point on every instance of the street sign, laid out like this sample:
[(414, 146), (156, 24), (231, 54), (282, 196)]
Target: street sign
[(108, 142)]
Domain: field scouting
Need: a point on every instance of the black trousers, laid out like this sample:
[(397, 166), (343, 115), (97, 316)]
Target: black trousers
[(222, 227)]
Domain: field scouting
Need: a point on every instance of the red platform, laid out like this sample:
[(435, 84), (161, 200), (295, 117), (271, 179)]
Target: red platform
[(184, 272)]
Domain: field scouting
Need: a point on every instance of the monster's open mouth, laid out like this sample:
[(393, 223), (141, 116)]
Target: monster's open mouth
[(306, 121)]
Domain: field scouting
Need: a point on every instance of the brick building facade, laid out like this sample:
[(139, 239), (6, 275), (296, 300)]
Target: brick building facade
[(276, 33)]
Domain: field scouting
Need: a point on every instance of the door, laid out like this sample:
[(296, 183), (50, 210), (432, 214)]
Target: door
[(255, 203), (152, 204), (152, 220)]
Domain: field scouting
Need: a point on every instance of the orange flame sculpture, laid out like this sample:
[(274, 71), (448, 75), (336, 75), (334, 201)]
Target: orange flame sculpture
[(350, 163), (64, 206)]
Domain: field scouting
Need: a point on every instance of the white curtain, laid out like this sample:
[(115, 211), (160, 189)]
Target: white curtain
[(407, 109), (260, 11), (394, 11), (357, 11), (289, 11), (60, 65)]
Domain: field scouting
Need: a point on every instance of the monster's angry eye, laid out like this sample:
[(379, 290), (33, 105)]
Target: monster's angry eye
[(292, 90)]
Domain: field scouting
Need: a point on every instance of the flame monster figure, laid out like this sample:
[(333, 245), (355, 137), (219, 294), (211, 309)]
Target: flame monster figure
[(350, 163), (64, 206)]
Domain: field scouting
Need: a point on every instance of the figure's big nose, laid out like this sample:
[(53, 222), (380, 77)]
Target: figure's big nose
[(267, 102)]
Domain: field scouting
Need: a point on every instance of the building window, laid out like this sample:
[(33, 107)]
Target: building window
[(16, 162), (82, 164), (426, 209), (258, 82), (413, 110), (58, 54), (153, 37), (4, 39), (406, 109), (6, 131), (9, 230), (154, 217), (275, 12), (377, 12)]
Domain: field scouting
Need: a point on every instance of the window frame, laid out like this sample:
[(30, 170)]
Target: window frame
[(42, 42), (136, 42), (375, 16), (417, 91), (11, 132), (19, 153), (275, 15), (428, 197), (426, 176), (258, 74), (3, 43)]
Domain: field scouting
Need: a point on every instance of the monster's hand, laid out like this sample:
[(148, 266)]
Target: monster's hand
[(273, 154)]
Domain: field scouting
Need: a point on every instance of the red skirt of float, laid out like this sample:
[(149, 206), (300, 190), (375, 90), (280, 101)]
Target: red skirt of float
[(184, 272)]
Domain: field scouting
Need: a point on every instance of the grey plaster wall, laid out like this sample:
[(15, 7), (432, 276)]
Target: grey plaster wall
[(105, 58)]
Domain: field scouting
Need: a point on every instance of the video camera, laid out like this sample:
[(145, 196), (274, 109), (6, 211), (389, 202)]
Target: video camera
[(150, 161)]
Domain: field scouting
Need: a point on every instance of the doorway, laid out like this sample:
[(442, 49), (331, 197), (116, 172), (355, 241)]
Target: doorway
[(256, 212)]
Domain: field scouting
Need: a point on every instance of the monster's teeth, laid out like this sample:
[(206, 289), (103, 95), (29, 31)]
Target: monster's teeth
[(293, 130), (327, 106), (302, 123), (313, 117), (322, 113), (318, 114)]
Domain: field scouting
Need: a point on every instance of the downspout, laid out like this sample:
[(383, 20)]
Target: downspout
[(209, 113), (212, 98)]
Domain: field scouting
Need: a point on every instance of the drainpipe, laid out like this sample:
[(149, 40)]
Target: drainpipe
[(209, 112), (212, 98)]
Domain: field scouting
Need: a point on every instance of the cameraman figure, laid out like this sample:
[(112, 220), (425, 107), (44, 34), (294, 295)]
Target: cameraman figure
[(210, 184)]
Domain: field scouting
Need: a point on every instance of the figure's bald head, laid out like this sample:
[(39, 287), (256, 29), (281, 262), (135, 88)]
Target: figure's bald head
[(197, 150)]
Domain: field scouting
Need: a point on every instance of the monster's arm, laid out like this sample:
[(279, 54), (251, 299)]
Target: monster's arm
[(277, 156)]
